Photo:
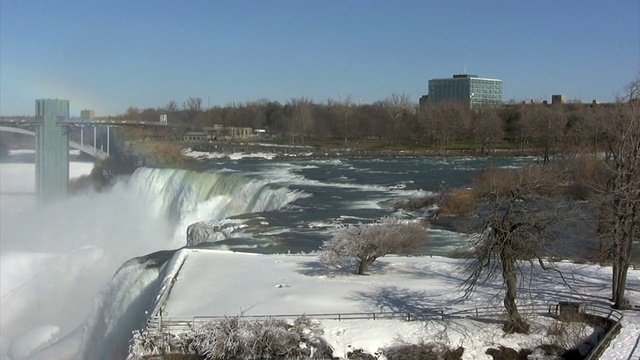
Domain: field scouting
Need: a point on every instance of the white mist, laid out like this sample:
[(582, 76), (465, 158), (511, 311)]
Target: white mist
[(54, 260)]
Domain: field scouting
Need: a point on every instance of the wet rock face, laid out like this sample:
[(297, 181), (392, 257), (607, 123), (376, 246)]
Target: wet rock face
[(219, 230), (199, 233), (208, 231)]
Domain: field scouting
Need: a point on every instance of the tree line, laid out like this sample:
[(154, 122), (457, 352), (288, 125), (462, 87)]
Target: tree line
[(397, 121)]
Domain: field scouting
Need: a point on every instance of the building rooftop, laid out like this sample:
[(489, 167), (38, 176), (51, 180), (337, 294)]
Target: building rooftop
[(466, 76)]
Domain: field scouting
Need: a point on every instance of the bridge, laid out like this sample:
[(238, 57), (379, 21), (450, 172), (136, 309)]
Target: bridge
[(51, 126), (89, 150)]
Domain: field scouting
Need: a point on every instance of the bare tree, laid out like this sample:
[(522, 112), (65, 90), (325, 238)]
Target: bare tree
[(487, 128), (133, 113), (448, 122), (583, 130), (546, 124), (256, 113), (172, 106), (347, 110), (193, 104), (398, 107), (301, 117), (367, 242), (518, 217), (514, 125), (620, 194), (435, 125), (632, 91)]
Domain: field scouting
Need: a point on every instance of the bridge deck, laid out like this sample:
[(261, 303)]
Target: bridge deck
[(102, 122)]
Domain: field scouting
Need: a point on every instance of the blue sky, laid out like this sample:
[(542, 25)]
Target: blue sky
[(110, 55)]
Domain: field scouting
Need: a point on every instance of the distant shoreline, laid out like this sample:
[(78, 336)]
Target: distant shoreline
[(280, 152)]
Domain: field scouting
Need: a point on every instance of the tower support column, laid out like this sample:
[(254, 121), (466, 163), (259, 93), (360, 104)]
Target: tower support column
[(52, 150)]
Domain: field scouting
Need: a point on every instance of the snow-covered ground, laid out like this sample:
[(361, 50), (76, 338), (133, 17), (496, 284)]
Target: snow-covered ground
[(218, 283)]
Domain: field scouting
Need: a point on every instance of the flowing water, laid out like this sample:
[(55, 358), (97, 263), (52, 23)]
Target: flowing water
[(291, 206)]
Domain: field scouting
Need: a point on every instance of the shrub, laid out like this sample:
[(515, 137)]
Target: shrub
[(415, 203), (458, 202), (236, 338), (360, 354), (506, 353), (424, 351), (578, 191), (367, 242), (271, 338), (584, 174), (568, 335)]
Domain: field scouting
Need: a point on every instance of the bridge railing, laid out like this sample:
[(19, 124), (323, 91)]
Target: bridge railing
[(77, 121)]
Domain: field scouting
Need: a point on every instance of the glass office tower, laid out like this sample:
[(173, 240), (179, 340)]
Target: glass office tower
[(470, 90)]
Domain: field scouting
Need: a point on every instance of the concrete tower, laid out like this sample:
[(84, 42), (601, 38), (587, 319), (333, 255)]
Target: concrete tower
[(52, 150)]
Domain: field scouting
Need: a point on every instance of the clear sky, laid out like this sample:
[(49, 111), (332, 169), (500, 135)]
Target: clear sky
[(110, 55)]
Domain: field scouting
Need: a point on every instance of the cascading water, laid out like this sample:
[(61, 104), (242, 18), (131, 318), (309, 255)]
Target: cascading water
[(124, 306), (186, 197)]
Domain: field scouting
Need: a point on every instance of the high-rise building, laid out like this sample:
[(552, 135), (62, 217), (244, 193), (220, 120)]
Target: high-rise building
[(470, 90)]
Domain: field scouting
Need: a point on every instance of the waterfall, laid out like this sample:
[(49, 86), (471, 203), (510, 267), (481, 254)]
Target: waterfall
[(125, 304), (185, 197)]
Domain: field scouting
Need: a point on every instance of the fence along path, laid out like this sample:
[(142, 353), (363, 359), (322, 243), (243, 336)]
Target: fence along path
[(635, 354), (159, 324)]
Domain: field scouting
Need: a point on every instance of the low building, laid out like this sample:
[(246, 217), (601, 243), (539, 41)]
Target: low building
[(240, 132), (424, 101), (220, 132), (558, 99), (194, 136), (87, 115)]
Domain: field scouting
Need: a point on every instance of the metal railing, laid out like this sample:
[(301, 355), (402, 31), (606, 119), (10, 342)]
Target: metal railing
[(610, 315), (162, 324), (635, 352)]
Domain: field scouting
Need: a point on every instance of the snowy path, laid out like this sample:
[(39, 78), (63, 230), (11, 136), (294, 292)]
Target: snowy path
[(626, 344)]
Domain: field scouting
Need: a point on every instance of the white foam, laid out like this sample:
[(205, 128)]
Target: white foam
[(32, 341)]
